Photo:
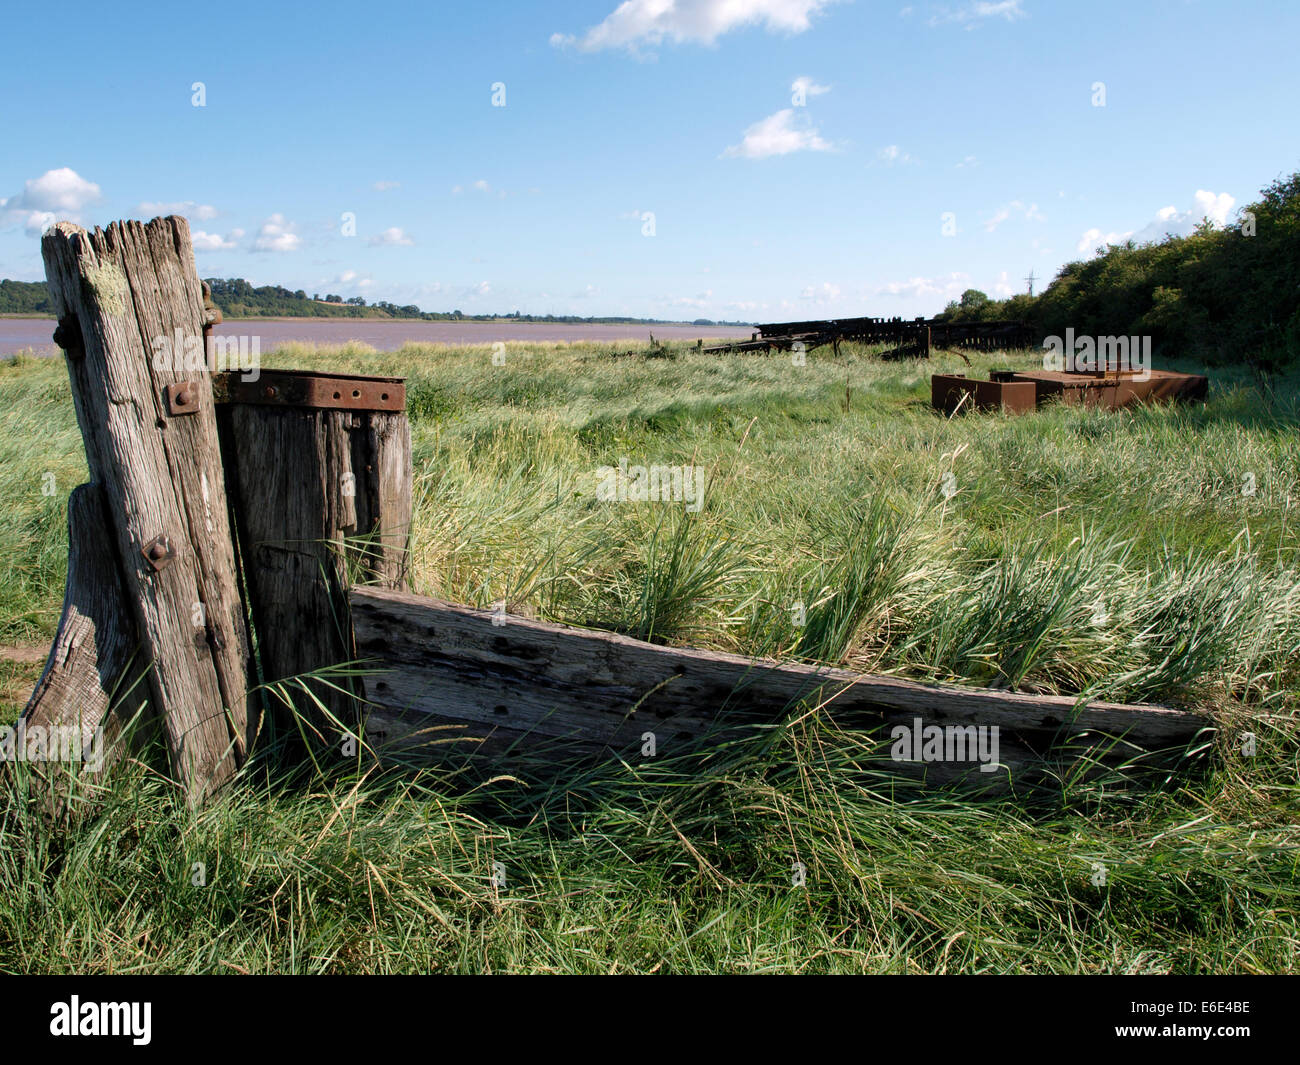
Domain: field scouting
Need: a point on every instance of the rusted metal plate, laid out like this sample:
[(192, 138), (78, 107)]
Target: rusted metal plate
[(1014, 397), (182, 398), (1017, 391), (299, 388), (1114, 390)]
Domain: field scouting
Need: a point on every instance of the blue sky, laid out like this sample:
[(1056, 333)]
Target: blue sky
[(933, 147)]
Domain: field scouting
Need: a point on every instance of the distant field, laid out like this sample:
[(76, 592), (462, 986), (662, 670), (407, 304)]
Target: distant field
[(1151, 555)]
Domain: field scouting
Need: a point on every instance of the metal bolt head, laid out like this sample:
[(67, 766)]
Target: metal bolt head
[(159, 553)]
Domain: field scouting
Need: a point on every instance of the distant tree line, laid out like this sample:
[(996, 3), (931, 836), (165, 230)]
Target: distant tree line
[(1223, 293), (25, 297)]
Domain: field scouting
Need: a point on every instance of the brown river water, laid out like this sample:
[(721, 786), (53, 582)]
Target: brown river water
[(33, 334)]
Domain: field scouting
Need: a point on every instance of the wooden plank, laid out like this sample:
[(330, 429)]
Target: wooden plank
[(88, 674), (518, 678), (322, 499), (125, 296)]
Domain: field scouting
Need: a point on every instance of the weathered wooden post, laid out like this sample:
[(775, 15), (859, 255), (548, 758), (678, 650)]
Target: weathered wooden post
[(319, 468), (130, 309)]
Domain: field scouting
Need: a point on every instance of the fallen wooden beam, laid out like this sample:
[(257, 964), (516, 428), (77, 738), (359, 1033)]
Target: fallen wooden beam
[(503, 680)]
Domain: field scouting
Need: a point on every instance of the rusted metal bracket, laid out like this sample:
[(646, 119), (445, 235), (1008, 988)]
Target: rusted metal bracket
[(299, 388), (182, 398), (211, 312), (159, 552)]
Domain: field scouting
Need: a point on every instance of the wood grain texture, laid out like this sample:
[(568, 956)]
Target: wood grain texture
[(88, 681), (127, 289), (322, 500), (449, 664)]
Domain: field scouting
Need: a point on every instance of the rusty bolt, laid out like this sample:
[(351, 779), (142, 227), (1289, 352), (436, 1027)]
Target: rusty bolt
[(159, 553)]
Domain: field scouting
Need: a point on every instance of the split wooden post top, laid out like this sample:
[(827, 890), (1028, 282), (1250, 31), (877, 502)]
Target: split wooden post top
[(131, 316)]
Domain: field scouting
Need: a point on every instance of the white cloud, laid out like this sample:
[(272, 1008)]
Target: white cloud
[(36, 222), (55, 194), (62, 191), (823, 293), (1168, 221), (277, 235), (391, 237), (703, 299), (201, 211), (479, 290), (892, 153), (779, 134), (1093, 239), (972, 13), (1030, 213), (215, 241), (999, 216), (651, 22), (969, 161), (1215, 208), (947, 287), (384, 186), (805, 87), (481, 185)]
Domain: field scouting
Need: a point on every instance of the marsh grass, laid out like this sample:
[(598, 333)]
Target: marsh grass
[(1115, 555)]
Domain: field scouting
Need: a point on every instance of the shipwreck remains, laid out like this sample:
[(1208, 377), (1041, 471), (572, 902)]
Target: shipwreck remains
[(910, 337), (1020, 391), (244, 529)]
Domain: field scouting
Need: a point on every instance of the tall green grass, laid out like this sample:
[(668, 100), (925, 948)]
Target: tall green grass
[(1070, 551)]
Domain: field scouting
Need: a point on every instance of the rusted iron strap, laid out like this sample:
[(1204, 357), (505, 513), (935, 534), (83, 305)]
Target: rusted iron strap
[(300, 388)]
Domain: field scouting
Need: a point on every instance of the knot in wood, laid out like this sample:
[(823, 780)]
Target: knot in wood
[(67, 334)]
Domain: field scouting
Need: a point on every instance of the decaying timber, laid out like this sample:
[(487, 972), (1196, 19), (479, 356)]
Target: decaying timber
[(92, 681), (915, 337), (322, 499), (503, 681), (317, 470), (126, 299)]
